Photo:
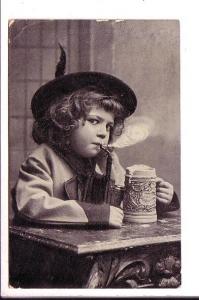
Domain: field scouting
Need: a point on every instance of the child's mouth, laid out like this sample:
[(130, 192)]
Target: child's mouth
[(97, 144)]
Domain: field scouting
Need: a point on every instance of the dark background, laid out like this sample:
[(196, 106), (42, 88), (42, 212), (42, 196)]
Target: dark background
[(143, 53)]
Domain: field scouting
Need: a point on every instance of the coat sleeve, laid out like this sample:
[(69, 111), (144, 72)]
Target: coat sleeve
[(34, 200)]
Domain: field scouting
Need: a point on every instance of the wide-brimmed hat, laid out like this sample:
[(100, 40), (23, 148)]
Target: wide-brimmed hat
[(67, 84)]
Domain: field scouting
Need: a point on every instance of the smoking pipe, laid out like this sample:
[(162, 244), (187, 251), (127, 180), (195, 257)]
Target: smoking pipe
[(107, 149)]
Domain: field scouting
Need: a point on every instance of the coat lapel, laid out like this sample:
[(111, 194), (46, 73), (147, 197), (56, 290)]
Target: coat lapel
[(71, 188)]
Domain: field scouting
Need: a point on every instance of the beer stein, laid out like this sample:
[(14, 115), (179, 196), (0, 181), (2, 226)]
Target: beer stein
[(140, 194)]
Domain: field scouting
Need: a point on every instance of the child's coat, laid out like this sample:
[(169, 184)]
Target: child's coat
[(45, 182), (48, 188)]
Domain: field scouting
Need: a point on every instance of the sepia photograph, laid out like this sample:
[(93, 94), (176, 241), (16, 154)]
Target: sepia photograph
[(94, 154)]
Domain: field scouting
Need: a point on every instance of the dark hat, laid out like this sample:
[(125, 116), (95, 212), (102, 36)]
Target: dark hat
[(66, 84)]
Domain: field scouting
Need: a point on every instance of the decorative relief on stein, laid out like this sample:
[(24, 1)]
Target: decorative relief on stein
[(140, 194)]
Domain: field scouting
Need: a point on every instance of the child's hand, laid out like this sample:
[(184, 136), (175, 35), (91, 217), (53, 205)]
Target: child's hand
[(164, 191), (116, 217)]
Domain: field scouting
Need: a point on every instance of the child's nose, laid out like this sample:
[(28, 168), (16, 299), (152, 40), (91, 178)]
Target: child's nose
[(102, 132), (101, 135)]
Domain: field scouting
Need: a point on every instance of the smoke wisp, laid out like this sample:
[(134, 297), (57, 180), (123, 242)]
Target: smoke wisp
[(135, 130)]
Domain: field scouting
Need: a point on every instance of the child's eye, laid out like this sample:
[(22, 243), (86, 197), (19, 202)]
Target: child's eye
[(93, 121)]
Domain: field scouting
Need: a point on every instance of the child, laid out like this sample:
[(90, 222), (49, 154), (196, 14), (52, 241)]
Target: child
[(62, 181)]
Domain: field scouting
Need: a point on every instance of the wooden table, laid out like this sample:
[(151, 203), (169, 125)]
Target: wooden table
[(137, 255)]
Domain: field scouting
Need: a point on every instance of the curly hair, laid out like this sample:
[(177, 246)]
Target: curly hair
[(58, 122)]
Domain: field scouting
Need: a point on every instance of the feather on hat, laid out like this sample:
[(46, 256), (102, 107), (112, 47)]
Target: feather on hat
[(66, 84)]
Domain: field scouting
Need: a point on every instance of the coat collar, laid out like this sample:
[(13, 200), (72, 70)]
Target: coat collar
[(81, 166), (79, 186)]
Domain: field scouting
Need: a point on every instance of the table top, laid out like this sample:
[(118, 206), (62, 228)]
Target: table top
[(90, 240)]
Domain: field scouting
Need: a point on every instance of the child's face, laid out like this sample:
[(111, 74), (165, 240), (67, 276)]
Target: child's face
[(95, 130)]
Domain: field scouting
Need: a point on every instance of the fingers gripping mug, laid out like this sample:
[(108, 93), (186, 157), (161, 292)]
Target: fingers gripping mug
[(140, 194)]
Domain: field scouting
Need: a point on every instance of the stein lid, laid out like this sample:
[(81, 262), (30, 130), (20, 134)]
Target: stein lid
[(140, 171)]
